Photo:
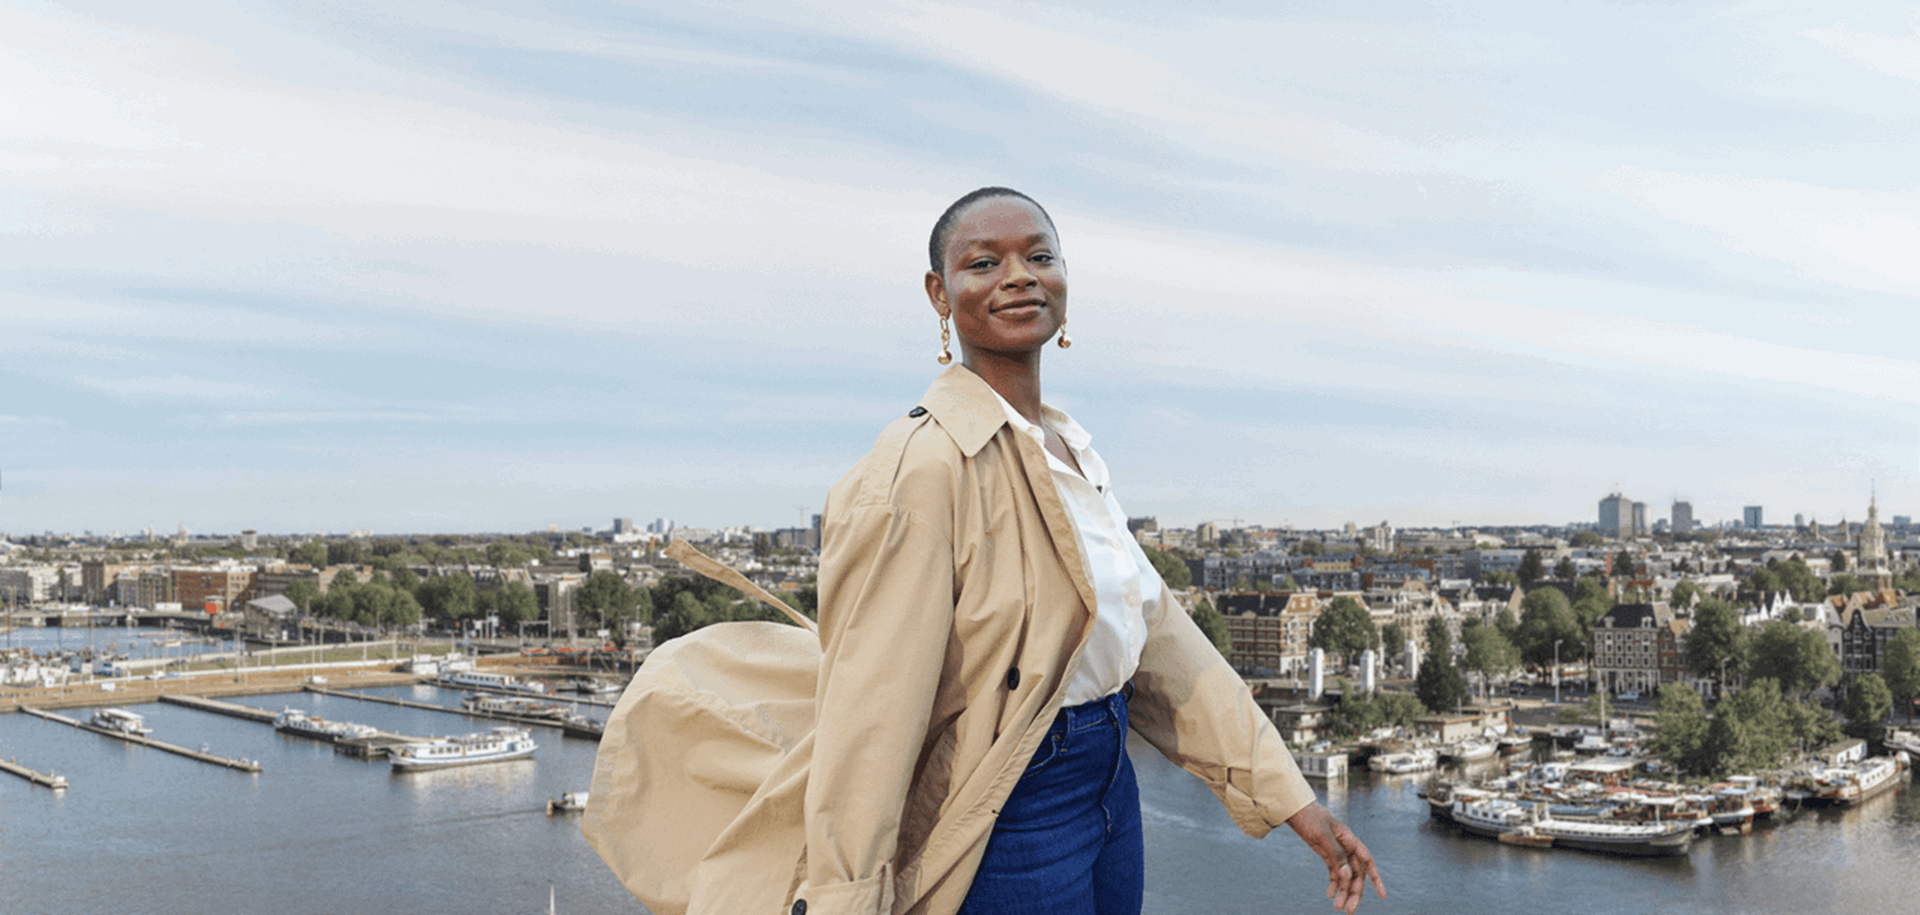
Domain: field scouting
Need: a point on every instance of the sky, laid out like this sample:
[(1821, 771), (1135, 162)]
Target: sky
[(495, 266)]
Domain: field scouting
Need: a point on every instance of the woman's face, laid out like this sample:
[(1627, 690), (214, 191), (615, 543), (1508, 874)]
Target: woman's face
[(1004, 283)]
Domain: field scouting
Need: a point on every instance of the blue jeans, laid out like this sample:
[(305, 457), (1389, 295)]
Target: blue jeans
[(1068, 839)]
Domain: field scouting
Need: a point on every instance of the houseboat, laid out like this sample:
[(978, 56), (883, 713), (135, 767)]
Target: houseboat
[(498, 745), (121, 721)]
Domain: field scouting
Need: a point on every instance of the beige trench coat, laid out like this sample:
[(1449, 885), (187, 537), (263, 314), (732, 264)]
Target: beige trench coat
[(953, 602)]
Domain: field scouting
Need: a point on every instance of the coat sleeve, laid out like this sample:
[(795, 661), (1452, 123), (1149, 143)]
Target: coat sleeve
[(886, 613), (1191, 705)]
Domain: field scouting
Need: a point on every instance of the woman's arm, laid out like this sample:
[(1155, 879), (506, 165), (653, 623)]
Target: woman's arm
[(886, 613)]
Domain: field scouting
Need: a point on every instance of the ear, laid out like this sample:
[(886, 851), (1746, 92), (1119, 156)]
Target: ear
[(937, 294)]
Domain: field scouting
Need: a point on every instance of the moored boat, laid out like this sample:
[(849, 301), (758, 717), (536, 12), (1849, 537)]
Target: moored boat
[(1402, 762), (295, 721), (497, 745), (516, 706), (569, 802), (1845, 786), (121, 721)]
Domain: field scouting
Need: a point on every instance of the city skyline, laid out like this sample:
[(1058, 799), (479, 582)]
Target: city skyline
[(494, 268)]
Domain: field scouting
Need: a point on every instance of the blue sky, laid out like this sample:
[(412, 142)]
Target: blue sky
[(494, 266)]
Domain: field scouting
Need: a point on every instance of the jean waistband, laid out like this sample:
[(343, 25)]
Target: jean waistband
[(1095, 713)]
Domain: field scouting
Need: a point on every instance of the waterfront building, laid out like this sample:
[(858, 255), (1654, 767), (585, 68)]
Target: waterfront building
[(1634, 648), (218, 587), (1270, 629), (28, 584), (97, 580), (1868, 626)]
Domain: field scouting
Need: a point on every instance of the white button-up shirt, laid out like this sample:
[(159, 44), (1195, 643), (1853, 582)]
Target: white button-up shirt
[(1124, 581)]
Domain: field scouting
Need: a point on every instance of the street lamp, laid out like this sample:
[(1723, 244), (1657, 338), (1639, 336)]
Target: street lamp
[(1556, 671)]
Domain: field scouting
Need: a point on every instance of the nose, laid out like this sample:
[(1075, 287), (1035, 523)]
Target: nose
[(1018, 275)]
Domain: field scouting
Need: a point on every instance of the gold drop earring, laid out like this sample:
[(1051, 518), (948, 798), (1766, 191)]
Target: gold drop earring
[(1064, 342), (944, 357)]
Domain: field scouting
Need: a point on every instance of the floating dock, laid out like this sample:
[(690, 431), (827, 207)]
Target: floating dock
[(229, 709), (378, 745), (43, 779), (244, 765), (570, 730)]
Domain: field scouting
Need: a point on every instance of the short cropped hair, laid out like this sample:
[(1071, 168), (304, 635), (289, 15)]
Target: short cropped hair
[(943, 229)]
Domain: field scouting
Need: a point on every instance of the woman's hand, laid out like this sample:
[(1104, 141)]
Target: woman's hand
[(1349, 864)]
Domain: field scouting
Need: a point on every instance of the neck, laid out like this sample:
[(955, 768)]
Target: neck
[(1015, 378)]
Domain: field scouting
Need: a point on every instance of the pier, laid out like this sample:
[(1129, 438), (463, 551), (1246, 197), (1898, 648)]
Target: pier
[(376, 746), (570, 730), (244, 765), (43, 779)]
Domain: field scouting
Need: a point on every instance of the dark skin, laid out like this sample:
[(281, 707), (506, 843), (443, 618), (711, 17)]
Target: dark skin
[(1004, 287)]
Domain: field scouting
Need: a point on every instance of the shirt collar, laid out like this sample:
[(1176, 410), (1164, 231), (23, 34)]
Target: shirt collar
[(1077, 439), (972, 412)]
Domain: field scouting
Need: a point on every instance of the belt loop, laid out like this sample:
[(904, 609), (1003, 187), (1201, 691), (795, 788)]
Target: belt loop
[(1126, 692)]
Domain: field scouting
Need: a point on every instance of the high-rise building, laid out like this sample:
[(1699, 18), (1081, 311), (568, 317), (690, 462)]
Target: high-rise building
[(1639, 518), (1616, 516), (1750, 517), (623, 525), (1682, 517)]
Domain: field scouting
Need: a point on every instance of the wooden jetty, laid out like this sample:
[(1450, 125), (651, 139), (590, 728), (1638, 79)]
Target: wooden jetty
[(571, 730), (380, 744), (244, 765), (43, 779), (229, 709)]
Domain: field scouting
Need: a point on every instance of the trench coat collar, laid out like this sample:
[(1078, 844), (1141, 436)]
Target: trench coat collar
[(966, 407)]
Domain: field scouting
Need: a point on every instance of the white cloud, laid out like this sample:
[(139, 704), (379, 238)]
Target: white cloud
[(152, 387)]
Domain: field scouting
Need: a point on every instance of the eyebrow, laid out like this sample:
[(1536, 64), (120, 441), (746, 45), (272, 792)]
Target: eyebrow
[(1034, 239)]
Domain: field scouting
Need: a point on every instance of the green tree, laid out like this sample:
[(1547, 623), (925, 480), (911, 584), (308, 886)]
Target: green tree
[(1591, 588), (1797, 579), (1564, 569), (1846, 584), (1531, 567), (1439, 685), (1498, 579), (1489, 654), (1716, 637), (345, 553), (1902, 666), (1797, 659), (1546, 616), (607, 596), (448, 597), (514, 602), (1215, 626), (1393, 639), (1765, 580), (686, 613), (1240, 583), (1624, 565), (303, 593), (313, 553), (1867, 704), (1344, 629), (1172, 571), (1309, 548), (1680, 729), (1587, 539), (1684, 595)]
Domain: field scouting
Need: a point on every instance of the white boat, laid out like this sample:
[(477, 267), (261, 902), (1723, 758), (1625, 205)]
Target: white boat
[(497, 745), (484, 680), (1845, 786), (1469, 750), (121, 720), (1404, 761), (516, 706), (296, 721), (1521, 823), (570, 802)]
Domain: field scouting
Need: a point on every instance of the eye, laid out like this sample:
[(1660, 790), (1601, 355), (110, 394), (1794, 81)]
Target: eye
[(980, 263), (1042, 258)]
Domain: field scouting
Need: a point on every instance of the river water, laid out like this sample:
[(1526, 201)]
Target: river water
[(143, 831)]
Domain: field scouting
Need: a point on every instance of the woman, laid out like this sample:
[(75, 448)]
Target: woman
[(989, 632)]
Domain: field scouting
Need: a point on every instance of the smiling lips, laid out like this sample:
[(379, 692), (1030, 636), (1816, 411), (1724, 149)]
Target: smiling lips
[(1025, 308)]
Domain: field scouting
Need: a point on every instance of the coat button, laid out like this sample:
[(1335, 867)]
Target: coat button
[(916, 413), (799, 907), (1013, 678)]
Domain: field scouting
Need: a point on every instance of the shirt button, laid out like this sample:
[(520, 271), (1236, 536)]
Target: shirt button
[(799, 907), (1013, 678)]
